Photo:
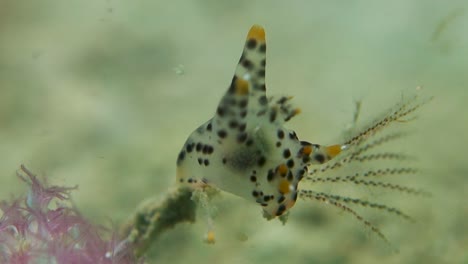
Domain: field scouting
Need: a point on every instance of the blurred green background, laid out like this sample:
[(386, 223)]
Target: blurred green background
[(102, 94)]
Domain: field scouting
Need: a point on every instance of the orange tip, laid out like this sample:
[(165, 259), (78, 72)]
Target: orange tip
[(282, 169), (256, 32), (333, 150), (210, 237), (284, 187), (307, 150), (242, 87)]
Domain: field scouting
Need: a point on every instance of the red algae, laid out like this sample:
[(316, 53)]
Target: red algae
[(34, 230)]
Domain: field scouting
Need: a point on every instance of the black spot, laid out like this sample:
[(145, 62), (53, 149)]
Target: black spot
[(189, 148), (320, 158), (249, 142), (181, 157), (233, 124), (242, 57), (263, 100), (300, 174), (305, 159), (209, 126), (206, 162), (280, 134), (232, 87), (224, 160), (290, 163), (242, 127), (247, 64), (253, 178), (261, 73), (243, 103), (181, 180), (292, 135), (200, 161), (272, 116), (294, 197), (282, 100), (281, 210), (190, 180), (266, 198), (278, 144), (271, 175), (220, 111), (222, 133), (199, 147), (243, 113), (286, 153), (242, 137), (205, 149), (261, 161), (251, 44), (255, 194), (263, 63), (281, 199), (262, 48)]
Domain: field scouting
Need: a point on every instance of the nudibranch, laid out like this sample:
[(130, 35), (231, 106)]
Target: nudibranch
[(245, 148)]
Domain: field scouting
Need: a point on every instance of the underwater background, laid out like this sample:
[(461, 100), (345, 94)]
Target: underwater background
[(103, 94)]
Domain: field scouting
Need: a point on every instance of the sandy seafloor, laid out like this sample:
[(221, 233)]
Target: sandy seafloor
[(103, 94)]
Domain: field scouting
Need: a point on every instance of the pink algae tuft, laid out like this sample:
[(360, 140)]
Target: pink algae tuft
[(33, 230)]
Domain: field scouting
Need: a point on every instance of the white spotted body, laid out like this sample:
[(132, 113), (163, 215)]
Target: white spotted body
[(244, 149)]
